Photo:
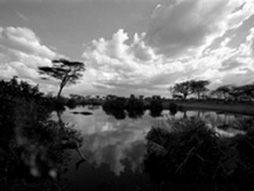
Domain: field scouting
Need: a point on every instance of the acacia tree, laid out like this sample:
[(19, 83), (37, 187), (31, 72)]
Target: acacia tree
[(183, 88), (199, 86), (64, 70)]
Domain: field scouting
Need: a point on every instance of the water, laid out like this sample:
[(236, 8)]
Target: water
[(115, 148)]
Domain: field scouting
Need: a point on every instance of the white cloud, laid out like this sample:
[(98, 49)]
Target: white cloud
[(186, 26), (120, 65), (21, 54), (24, 40), (177, 46), (126, 64)]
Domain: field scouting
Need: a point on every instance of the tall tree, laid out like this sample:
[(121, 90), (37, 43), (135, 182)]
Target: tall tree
[(199, 86), (64, 70), (183, 88)]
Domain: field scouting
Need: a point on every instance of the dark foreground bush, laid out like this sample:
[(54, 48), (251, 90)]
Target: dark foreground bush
[(190, 156), (33, 148)]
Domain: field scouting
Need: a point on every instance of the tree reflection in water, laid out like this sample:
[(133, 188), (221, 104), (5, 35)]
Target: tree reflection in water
[(189, 155)]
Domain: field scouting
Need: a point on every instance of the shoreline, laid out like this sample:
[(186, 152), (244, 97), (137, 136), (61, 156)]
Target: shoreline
[(238, 108)]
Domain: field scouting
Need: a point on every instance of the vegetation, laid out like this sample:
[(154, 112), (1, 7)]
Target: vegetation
[(190, 87), (199, 87), (235, 93), (156, 107), (34, 150), (173, 108), (115, 107), (188, 155), (134, 107), (64, 70)]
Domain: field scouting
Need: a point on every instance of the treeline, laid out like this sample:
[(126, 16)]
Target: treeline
[(134, 107), (199, 89)]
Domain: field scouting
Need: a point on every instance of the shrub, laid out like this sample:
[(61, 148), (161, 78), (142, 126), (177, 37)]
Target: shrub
[(135, 107), (156, 108), (190, 156), (115, 107)]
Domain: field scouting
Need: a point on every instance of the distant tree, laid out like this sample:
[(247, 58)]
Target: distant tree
[(199, 86), (243, 92), (223, 91), (183, 88), (64, 70), (135, 107)]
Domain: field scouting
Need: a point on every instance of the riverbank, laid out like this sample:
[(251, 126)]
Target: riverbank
[(238, 108)]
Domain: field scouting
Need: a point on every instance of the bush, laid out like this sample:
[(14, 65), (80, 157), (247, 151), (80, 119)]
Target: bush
[(31, 148), (173, 108), (135, 107), (190, 156), (156, 108), (115, 107)]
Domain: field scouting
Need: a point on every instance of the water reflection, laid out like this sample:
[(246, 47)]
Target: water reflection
[(117, 148), (107, 140)]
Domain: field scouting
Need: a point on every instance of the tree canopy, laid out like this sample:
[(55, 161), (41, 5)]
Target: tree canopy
[(183, 88), (190, 87), (199, 86), (64, 70)]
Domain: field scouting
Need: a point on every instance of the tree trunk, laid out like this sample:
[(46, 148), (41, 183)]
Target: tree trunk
[(184, 96), (59, 92)]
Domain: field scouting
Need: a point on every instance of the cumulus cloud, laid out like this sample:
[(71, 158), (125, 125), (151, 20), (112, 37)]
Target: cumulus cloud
[(179, 44), (121, 64), (125, 64), (21, 54)]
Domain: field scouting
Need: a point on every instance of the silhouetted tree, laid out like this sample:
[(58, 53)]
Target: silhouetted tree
[(156, 107), (199, 86), (135, 107), (64, 70), (223, 91), (115, 107), (183, 88)]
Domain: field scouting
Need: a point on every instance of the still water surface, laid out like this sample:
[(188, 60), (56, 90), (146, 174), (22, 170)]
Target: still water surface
[(115, 148)]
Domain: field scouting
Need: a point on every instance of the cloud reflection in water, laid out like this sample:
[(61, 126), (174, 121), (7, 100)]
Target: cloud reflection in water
[(110, 141)]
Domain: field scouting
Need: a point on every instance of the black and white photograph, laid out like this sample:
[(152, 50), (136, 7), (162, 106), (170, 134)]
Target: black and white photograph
[(126, 95)]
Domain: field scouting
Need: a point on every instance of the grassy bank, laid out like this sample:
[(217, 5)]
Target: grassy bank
[(238, 108)]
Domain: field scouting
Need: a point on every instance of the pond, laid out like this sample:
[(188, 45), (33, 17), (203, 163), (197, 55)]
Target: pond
[(115, 149)]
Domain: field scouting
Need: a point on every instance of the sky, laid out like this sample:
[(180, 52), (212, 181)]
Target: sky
[(129, 46)]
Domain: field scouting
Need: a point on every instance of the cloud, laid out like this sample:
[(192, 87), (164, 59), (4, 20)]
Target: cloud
[(21, 16), (121, 64), (21, 54), (186, 26), (184, 40), (125, 64), (24, 40), (229, 65)]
